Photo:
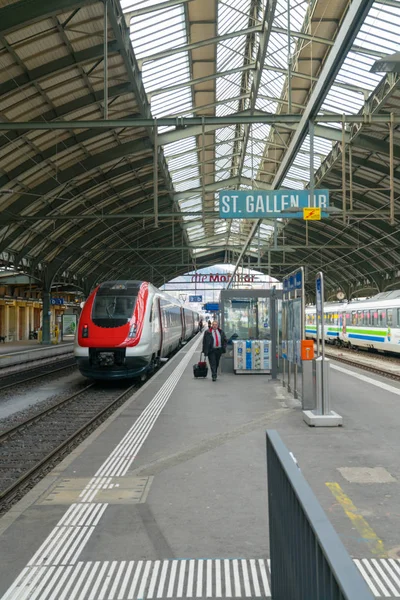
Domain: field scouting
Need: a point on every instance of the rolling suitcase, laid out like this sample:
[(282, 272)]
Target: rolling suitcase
[(200, 369)]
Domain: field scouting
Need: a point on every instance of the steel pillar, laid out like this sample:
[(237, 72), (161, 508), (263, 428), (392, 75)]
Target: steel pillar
[(46, 336)]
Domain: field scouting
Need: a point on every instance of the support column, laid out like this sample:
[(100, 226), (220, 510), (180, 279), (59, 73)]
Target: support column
[(46, 337), (17, 320), (6, 322), (26, 323), (31, 318), (274, 341)]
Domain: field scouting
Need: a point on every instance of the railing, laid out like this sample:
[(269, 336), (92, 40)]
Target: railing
[(308, 560)]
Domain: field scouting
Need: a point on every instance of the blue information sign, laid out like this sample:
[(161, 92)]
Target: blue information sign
[(195, 298), (261, 204), (58, 301), (298, 282), (318, 290), (211, 307)]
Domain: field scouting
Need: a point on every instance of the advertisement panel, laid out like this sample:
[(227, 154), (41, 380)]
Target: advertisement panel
[(68, 325)]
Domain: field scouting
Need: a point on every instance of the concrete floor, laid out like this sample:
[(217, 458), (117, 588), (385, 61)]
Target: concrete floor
[(189, 482)]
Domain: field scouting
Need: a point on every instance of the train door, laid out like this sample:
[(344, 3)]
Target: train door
[(183, 322), (162, 331)]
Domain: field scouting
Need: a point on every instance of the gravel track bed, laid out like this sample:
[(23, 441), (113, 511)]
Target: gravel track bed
[(20, 378), (38, 407), (385, 365), (25, 449)]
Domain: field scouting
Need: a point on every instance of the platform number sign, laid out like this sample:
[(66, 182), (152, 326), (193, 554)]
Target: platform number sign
[(318, 293), (195, 298)]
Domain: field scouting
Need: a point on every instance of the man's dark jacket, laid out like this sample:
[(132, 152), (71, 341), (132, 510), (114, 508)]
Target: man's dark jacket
[(208, 341)]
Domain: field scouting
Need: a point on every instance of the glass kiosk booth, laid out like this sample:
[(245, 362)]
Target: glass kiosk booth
[(251, 315)]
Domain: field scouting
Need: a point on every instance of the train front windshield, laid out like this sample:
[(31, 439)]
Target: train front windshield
[(114, 307)]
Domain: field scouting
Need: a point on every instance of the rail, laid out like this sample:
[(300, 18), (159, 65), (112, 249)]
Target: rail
[(308, 560)]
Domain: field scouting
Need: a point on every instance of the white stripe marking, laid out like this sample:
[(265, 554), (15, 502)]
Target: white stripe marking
[(181, 578), (153, 579), (162, 579), (385, 577), (264, 577), (209, 579), (88, 583), (135, 580), (73, 555), (29, 589), (98, 581), (49, 572), (256, 585), (117, 580), (82, 545), (47, 545), (20, 577), (60, 585), (236, 578), (367, 564), (107, 580), (81, 578), (366, 578), (218, 588), (144, 579), (70, 581), (58, 571), (20, 590), (172, 579), (375, 382), (391, 572), (228, 587), (66, 515), (124, 585), (247, 589), (189, 589), (199, 588)]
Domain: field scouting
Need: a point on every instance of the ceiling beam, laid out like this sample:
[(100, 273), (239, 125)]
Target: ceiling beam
[(23, 13), (355, 17), (211, 123), (56, 66)]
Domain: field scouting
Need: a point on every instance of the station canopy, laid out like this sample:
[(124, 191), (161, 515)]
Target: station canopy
[(78, 203)]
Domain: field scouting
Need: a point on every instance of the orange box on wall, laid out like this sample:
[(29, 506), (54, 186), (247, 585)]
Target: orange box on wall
[(307, 349)]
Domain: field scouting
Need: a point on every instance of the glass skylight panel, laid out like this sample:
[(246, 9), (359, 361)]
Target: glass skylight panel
[(377, 34)]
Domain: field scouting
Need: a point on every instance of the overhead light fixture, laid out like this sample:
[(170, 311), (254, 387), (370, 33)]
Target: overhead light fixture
[(387, 64)]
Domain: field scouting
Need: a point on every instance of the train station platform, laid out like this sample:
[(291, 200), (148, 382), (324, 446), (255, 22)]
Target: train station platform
[(168, 499), (29, 353)]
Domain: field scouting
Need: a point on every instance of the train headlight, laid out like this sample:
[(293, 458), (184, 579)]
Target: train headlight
[(132, 331), (85, 331)]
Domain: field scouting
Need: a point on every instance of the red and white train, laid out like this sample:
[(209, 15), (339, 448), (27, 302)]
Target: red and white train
[(126, 328)]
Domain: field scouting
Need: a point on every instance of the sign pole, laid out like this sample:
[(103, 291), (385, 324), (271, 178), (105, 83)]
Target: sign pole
[(322, 416)]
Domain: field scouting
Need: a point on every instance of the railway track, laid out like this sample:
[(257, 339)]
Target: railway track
[(366, 363), (18, 378), (31, 448)]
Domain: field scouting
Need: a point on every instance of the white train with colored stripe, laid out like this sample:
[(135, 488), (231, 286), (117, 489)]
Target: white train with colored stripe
[(372, 323)]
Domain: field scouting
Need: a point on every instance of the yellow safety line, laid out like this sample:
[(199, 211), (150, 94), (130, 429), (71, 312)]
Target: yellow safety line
[(364, 529)]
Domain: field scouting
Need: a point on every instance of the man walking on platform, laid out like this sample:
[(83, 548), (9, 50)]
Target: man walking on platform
[(214, 344)]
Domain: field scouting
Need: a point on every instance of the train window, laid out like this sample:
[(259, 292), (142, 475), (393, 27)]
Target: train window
[(354, 318), (382, 318), (398, 317), (359, 317), (389, 317)]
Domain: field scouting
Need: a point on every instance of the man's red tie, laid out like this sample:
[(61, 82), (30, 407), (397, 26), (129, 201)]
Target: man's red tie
[(216, 339)]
